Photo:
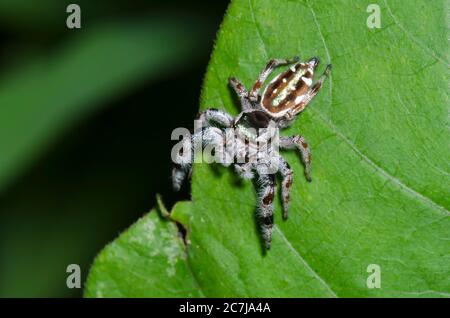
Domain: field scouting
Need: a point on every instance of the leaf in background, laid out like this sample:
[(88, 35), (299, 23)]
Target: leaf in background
[(148, 260), (379, 137), (45, 97)]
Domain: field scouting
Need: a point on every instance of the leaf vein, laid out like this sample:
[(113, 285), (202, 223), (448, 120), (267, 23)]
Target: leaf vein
[(303, 261), (413, 38), (380, 170)]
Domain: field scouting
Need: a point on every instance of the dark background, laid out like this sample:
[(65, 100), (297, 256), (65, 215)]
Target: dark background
[(102, 173)]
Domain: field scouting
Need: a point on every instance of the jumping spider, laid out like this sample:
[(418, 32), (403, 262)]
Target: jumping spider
[(283, 99)]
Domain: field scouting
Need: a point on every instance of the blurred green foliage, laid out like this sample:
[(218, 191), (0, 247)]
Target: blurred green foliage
[(48, 95)]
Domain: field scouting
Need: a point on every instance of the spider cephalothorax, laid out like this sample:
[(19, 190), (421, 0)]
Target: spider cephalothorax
[(281, 101)]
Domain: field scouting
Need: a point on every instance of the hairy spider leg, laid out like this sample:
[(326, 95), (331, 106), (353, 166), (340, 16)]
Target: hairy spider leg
[(215, 117), (299, 143), (209, 136), (241, 92), (270, 67), (266, 188), (287, 176)]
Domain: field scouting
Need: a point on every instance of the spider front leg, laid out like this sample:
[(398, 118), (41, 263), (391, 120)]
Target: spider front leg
[(213, 116), (241, 92), (266, 188), (180, 172), (299, 143), (271, 65), (208, 137), (286, 183)]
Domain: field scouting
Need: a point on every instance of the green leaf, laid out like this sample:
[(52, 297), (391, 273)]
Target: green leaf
[(43, 98), (147, 260), (379, 136)]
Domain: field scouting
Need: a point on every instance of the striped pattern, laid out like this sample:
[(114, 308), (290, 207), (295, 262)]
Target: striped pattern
[(288, 90)]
